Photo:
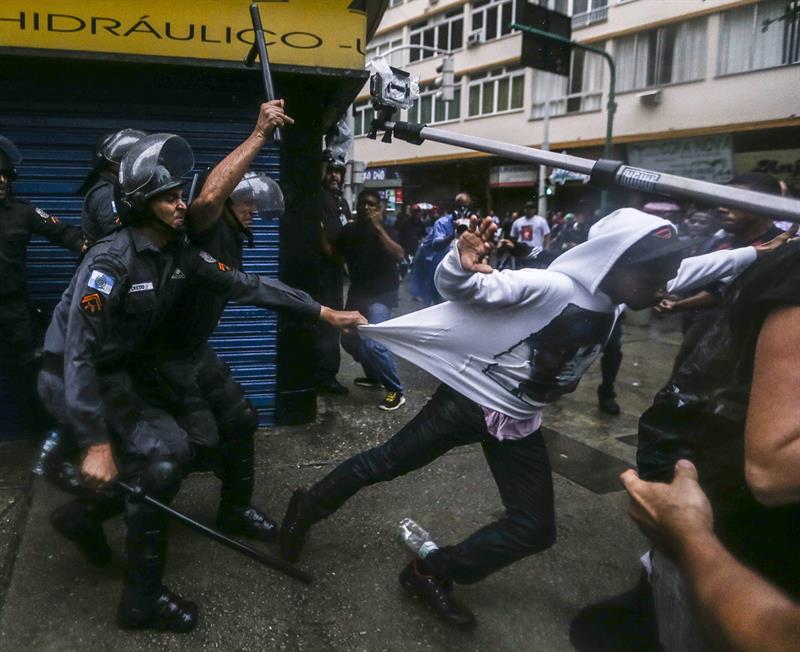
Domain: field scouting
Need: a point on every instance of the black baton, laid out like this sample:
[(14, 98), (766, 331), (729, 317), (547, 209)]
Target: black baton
[(260, 48), (241, 548)]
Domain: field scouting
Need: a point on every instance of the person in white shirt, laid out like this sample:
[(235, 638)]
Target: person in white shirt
[(506, 344), (531, 229)]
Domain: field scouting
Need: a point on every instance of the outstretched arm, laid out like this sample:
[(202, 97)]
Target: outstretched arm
[(205, 210), (466, 275), (733, 603)]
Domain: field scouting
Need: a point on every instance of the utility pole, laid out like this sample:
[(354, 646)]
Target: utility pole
[(612, 87), (542, 167)]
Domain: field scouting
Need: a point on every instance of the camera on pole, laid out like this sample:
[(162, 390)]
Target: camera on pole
[(446, 81)]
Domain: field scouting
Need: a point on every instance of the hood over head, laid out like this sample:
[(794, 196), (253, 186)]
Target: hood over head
[(609, 238)]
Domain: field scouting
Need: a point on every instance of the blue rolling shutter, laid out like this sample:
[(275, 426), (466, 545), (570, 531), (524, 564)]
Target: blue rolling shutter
[(57, 152)]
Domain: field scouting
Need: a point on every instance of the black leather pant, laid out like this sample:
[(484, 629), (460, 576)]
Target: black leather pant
[(521, 470)]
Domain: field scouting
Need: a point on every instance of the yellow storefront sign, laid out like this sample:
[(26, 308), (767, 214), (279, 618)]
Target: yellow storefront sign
[(325, 33)]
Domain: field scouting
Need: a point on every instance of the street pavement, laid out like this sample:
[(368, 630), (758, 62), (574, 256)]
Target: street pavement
[(50, 599)]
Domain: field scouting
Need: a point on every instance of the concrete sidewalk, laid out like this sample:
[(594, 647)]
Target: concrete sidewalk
[(56, 601)]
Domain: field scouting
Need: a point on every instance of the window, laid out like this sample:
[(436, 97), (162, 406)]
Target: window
[(744, 44), (379, 48), (363, 113), (670, 54), (561, 6), (492, 18), (395, 3), (582, 91), (445, 31), (496, 91), (430, 109), (587, 12)]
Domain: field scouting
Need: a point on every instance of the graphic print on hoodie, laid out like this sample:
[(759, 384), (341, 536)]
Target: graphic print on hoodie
[(557, 356), (515, 341)]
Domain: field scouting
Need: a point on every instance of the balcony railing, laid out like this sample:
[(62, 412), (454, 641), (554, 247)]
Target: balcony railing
[(597, 15)]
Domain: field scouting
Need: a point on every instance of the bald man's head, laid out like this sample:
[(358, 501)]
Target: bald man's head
[(463, 200)]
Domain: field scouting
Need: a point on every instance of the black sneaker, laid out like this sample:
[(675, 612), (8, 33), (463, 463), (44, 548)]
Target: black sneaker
[(392, 401), (247, 522), (332, 386), (166, 612), (369, 383), (608, 405), (74, 524), (438, 595)]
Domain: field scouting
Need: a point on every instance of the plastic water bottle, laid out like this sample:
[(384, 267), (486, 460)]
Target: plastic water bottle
[(417, 538), (48, 446)]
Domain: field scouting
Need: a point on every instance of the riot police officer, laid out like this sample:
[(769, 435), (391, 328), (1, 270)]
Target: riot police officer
[(18, 220), (124, 286), (221, 420), (99, 214)]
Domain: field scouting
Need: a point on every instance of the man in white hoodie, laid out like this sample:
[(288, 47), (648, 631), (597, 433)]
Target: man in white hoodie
[(505, 345)]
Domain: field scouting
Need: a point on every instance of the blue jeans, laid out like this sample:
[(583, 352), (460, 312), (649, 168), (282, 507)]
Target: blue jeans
[(376, 359)]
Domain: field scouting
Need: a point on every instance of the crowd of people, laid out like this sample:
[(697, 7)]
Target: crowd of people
[(140, 395)]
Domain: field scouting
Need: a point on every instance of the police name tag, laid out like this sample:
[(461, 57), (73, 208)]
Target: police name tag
[(101, 282), (208, 257), (141, 287)]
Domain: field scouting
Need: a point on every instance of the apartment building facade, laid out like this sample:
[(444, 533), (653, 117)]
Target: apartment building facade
[(704, 88)]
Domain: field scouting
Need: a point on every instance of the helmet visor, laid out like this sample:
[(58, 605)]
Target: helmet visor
[(260, 193), (117, 145), (148, 158)]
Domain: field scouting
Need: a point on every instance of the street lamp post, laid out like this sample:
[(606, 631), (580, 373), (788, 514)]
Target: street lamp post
[(612, 86)]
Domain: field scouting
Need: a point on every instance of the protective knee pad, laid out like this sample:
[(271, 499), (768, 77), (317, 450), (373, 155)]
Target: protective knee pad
[(239, 422), (161, 478)]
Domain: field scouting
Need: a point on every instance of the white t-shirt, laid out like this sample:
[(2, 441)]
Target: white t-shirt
[(530, 230)]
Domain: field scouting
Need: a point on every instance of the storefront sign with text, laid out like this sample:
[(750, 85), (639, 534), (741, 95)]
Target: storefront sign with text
[(328, 34)]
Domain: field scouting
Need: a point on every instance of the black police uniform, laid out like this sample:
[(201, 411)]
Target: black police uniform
[(335, 214), (98, 215), (218, 417), (18, 340), (122, 289)]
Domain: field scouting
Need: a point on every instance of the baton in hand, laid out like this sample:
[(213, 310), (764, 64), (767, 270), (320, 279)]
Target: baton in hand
[(259, 49), (266, 560)]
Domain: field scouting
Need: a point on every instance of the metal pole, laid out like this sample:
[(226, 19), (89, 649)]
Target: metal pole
[(260, 557), (612, 78), (543, 168), (626, 176)]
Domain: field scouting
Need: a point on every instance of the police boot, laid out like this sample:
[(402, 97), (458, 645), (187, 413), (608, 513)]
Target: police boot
[(81, 521), (146, 603), (438, 594), (236, 515), (607, 401)]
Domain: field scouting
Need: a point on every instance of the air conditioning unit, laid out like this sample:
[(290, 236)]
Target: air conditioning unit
[(474, 39), (650, 98)]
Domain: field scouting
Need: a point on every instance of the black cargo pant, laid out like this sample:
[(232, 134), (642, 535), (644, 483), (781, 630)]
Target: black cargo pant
[(521, 470)]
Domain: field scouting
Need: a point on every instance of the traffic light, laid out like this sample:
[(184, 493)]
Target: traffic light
[(446, 81)]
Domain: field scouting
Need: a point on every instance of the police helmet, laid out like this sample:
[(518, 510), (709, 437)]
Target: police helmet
[(261, 192), (153, 165), (114, 146), (9, 157)]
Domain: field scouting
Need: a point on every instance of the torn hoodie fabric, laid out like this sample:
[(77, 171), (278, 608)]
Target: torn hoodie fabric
[(516, 341)]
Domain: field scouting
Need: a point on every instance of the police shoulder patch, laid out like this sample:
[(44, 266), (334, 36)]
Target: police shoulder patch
[(46, 216), (101, 281), (92, 303)]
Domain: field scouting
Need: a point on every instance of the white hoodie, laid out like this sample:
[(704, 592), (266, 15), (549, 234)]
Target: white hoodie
[(515, 341)]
